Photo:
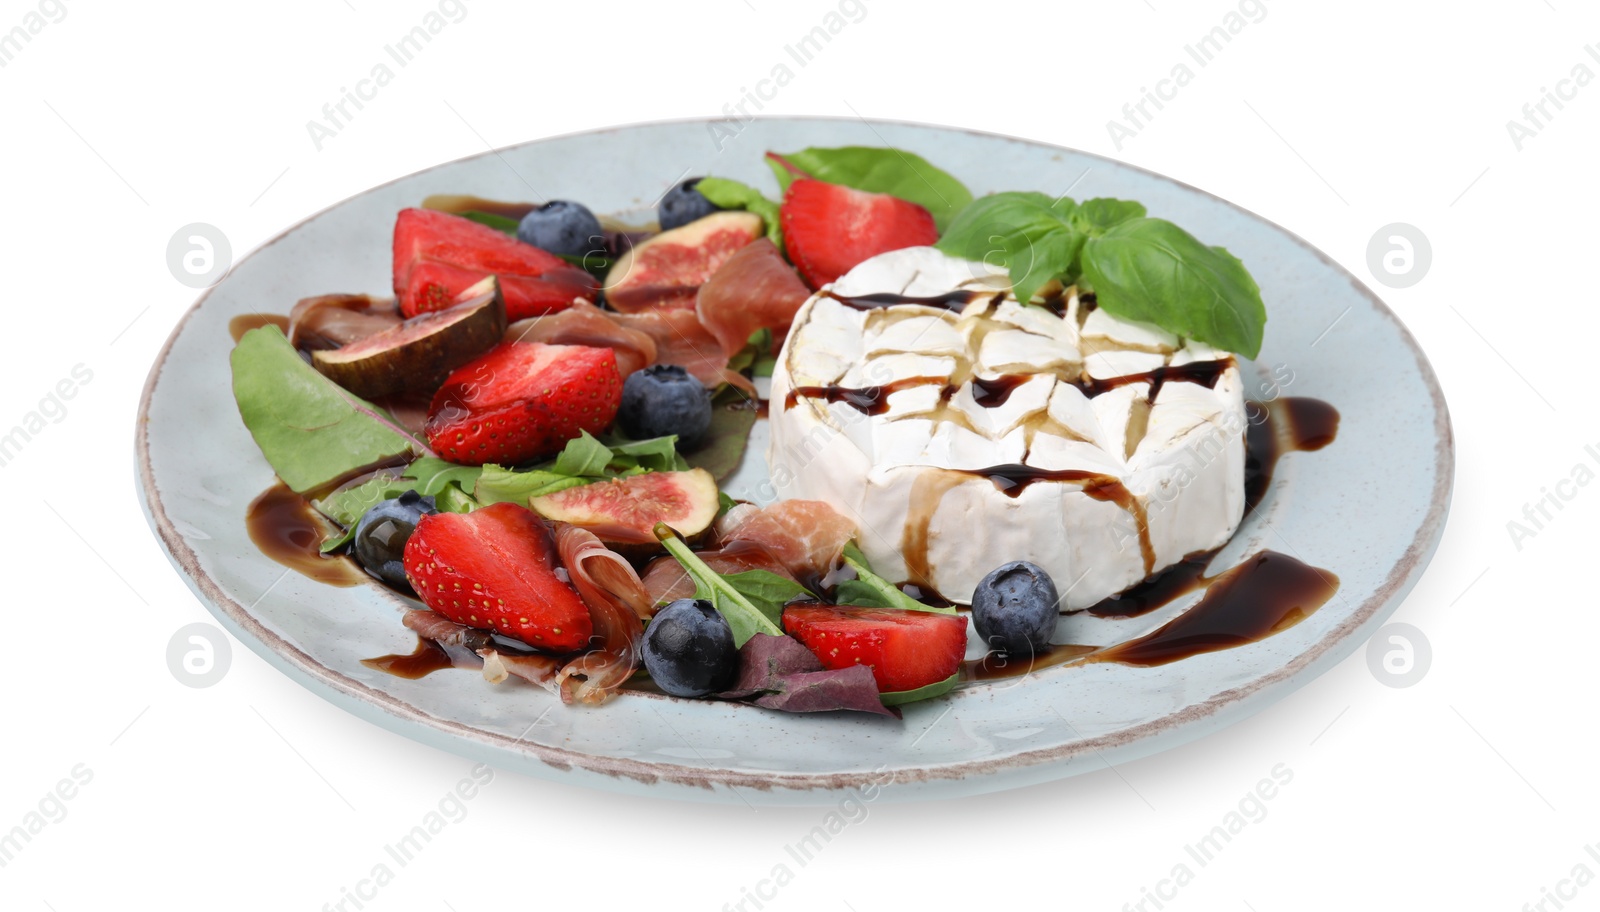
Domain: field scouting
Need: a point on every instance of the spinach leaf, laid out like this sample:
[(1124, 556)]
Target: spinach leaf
[(870, 587), (309, 429), (730, 194), (767, 591), (1150, 269), (733, 415), (898, 697), (878, 170), (743, 617)]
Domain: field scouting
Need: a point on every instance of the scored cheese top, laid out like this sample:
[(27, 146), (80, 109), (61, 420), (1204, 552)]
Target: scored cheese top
[(973, 430)]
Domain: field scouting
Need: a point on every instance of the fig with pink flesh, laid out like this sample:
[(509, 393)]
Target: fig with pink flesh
[(627, 509), (667, 270)]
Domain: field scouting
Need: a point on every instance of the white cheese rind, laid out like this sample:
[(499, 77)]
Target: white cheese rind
[(899, 473)]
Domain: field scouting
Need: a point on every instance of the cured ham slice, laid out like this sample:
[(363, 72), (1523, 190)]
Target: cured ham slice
[(755, 289), (682, 340), (585, 324), (806, 536), (617, 600)]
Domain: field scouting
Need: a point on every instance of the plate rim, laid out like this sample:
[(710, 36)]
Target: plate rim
[(1406, 571)]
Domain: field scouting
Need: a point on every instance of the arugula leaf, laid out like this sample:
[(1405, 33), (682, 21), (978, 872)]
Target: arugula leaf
[(744, 618), (584, 455), (898, 697), (767, 591), (874, 588), (348, 506), (879, 170), (730, 194), (309, 429), (430, 475), (658, 454), (585, 459), (500, 485), (1150, 269)]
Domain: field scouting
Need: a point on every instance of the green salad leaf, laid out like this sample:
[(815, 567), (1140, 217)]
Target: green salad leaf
[(585, 459), (744, 618), (731, 194), (878, 170), (1150, 269), (869, 590), (937, 688), (1139, 268), (733, 415), (767, 591), (310, 430)]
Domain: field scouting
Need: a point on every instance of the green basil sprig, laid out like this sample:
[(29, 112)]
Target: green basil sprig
[(1139, 268)]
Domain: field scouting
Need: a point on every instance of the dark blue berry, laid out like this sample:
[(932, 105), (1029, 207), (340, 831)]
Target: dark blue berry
[(688, 649), (1014, 608), (562, 227), (682, 205), (382, 532), (665, 399)]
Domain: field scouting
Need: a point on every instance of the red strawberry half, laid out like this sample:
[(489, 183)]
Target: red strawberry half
[(438, 255), (904, 649), (522, 401), (829, 228), (495, 569)]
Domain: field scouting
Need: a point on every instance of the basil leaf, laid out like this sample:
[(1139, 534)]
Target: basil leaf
[(897, 697), (309, 429), (885, 593), (1151, 270), (744, 618), (730, 194), (879, 170), (1028, 234), (1097, 215), (767, 591)]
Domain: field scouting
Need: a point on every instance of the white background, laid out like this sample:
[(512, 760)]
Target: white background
[(1472, 789)]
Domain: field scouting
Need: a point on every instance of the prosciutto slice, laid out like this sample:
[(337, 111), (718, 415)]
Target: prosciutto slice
[(755, 289), (665, 579), (682, 340), (617, 600), (806, 536), (585, 324), (458, 641), (336, 320)]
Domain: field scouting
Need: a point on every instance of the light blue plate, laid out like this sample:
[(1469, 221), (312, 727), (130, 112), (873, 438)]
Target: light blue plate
[(1371, 507)]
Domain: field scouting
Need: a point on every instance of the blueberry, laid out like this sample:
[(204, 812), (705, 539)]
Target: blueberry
[(381, 535), (688, 649), (665, 399), (1014, 608), (562, 227), (682, 205)]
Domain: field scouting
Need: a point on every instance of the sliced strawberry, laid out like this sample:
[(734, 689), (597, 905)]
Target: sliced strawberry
[(829, 228), (904, 649), (523, 400), (495, 569), (432, 286), (438, 255)]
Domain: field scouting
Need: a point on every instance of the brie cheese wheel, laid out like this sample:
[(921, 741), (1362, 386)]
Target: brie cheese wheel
[(963, 429)]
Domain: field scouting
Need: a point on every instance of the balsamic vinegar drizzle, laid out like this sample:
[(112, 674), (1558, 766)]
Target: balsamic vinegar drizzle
[(287, 529)]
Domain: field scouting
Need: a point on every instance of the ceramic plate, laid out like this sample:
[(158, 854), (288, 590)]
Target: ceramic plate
[(198, 470)]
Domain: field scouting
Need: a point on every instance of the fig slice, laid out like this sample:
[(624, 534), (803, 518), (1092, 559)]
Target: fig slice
[(626, 510), (668, 269), (419, 353)]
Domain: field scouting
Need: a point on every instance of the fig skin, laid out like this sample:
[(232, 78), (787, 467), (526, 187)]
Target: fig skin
[(420, 352)]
